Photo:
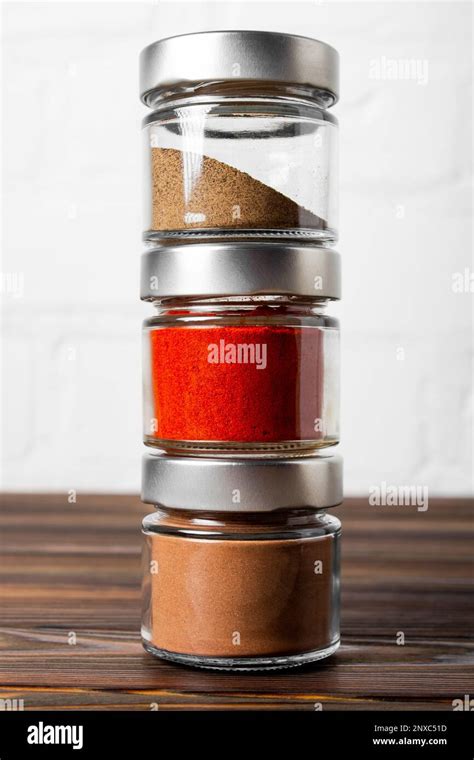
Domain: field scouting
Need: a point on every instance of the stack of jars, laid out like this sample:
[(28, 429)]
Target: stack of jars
[(241, 360)]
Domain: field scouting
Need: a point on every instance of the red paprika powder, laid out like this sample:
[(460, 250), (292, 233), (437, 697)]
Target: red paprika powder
[(219, 386)]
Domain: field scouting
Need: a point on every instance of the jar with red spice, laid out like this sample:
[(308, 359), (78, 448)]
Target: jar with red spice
[(253, 371), (239, 141), (241, 561)]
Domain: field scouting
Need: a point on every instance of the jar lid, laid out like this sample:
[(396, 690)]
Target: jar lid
[(179, 63), (240, 269), (242, 484)]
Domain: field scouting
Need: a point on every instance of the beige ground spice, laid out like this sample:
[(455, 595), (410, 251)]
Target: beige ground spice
[(198, 192)]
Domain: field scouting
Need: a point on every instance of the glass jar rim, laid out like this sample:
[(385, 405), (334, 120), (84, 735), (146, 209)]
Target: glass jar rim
[(254, 526), (183, 107)]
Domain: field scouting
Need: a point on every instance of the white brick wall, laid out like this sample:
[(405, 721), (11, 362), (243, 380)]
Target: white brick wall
[(71, 386)]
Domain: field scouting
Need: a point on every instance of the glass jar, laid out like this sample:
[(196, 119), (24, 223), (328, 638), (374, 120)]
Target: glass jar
[(241, 374), (240, 590), (256, 370), (239, 142)]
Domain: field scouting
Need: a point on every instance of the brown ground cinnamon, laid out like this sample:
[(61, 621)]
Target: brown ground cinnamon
[(241, 598)]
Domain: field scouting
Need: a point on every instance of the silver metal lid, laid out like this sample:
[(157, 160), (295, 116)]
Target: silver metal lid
[(177, 63), (242, 485), (236, 269)]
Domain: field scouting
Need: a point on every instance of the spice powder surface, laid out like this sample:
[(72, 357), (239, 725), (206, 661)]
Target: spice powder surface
[(206, 387), (194, 191), (267, 591)]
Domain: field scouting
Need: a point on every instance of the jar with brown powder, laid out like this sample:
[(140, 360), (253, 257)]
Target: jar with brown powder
[(239, 142), (241, 562)]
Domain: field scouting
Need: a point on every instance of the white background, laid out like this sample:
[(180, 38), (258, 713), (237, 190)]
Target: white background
[(71, 378)]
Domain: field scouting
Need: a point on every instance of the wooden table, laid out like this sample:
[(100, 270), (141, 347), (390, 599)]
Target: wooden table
[(70, 603)]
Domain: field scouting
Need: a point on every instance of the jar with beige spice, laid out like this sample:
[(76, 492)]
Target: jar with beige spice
[(239, 142), (241, 562)]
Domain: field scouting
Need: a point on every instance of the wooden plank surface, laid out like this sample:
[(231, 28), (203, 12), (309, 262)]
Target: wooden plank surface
[(75, 569)]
